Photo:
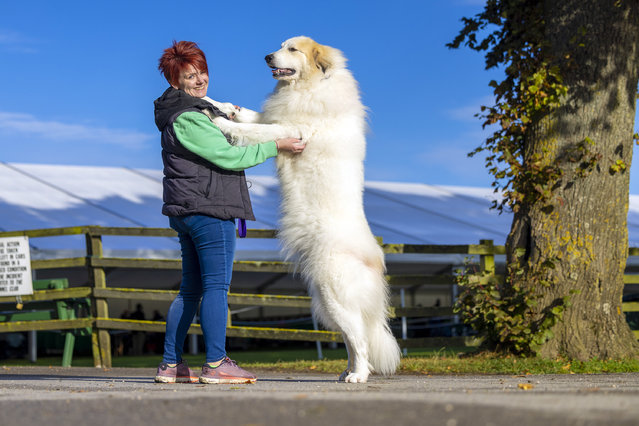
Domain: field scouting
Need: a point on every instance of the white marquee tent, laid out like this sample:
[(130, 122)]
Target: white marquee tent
[(34, 196)]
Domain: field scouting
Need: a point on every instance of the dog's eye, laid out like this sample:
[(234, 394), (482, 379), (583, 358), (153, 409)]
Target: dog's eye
[(292, 49)]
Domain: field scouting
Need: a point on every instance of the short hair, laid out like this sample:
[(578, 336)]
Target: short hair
[(180, 55)]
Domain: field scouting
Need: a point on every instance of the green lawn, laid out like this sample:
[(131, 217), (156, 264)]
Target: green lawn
[(426, 361)]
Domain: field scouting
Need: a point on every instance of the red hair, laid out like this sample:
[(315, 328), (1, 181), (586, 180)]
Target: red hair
[(178, 57)]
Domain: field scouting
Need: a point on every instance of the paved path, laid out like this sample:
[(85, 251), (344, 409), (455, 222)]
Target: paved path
[(123, 396)]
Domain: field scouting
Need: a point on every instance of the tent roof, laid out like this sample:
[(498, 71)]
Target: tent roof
[(34, 196)]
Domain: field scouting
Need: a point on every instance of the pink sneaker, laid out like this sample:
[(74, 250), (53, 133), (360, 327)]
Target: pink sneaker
[(178, 374), (226, 372)]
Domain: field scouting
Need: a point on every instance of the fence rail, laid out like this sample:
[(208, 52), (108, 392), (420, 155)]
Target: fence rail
[(99, 294)]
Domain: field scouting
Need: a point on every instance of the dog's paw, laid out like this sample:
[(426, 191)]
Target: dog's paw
[(228, 108), (245, 115), (356, 378), (350, 377)]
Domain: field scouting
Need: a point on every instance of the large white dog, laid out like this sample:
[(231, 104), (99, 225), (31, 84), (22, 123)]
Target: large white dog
[(323, 227)]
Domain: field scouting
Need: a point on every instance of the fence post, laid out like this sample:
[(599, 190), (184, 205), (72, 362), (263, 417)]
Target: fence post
[(101, 340), (487, 261), (402, 303)]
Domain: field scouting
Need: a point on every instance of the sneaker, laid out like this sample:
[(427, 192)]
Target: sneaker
[(226, 372), (178, 374)]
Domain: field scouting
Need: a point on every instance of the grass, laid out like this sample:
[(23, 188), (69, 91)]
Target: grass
[(426, 361)]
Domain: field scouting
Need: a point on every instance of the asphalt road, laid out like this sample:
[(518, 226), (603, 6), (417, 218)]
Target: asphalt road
[(122, 396)]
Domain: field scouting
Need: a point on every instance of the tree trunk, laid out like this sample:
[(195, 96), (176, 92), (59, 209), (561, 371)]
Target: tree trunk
[(583, 230)]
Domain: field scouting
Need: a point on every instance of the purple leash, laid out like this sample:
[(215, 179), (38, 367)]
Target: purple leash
[(241, 228)]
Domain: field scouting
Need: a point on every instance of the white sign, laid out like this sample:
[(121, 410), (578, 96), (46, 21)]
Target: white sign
[(15, 267)]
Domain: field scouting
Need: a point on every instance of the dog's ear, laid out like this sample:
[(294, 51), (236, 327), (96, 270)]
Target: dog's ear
[(322, 57)]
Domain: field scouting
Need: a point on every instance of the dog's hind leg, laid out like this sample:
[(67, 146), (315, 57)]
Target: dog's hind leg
[(348, 321), (353, 330), (343, 289), (358, 368)]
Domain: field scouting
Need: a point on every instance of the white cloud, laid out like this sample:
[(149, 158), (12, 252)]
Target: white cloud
[(15, 42), (450, 156), (474, 2), (467, 112), (54, 130), (479, 4)]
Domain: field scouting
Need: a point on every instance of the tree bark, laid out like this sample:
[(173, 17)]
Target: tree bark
[(584, 229)]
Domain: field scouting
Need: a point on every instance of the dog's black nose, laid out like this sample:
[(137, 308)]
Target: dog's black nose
[(268, 58)]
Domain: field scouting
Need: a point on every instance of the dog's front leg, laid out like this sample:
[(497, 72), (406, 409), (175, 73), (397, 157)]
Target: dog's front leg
[(243, 134), (235, 113)]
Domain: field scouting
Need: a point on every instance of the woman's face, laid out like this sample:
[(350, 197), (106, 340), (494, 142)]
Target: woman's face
[(193, 82)]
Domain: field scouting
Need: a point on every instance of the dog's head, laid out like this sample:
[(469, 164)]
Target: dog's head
[(301, 58)]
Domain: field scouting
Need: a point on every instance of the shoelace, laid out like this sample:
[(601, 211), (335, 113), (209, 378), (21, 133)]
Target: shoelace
[(229, 361), (226, 360)]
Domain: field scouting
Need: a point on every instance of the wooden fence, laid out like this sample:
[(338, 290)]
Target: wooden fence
[(99, 294)]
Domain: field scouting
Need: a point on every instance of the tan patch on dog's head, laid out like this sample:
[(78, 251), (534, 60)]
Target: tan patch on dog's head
[(319, 56)]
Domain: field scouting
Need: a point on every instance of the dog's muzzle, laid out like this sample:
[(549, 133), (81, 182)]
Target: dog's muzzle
[(278, 72)]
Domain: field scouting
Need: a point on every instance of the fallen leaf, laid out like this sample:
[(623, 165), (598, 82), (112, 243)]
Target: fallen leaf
[(525, 386)]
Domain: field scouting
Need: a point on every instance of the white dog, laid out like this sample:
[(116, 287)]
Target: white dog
[(323, 227)]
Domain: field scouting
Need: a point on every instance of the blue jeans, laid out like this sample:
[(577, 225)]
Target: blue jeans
[(208, 247)]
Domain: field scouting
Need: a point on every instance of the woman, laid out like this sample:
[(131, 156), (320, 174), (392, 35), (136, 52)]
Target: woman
[(204, 192)]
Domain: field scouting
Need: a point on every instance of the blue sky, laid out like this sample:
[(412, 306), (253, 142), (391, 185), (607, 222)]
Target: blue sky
[(80, 77)]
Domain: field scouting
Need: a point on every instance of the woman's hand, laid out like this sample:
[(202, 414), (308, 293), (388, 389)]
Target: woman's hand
[(290, 144)]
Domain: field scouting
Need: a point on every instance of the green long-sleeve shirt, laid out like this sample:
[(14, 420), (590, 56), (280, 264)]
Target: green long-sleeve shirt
[(199, 135)]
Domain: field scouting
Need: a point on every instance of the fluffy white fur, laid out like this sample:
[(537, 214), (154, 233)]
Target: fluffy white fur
[(323, 227)]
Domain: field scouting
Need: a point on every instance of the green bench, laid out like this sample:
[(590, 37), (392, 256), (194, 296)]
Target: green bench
[(61, 309)]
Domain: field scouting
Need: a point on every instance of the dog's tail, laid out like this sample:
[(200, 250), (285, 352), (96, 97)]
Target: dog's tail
[(384, 352)]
